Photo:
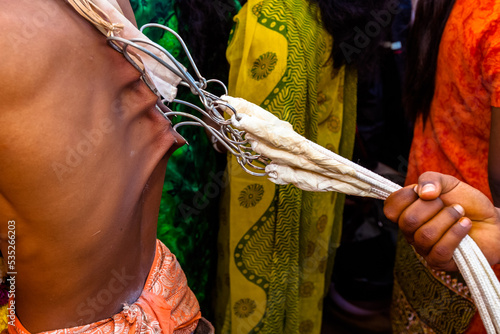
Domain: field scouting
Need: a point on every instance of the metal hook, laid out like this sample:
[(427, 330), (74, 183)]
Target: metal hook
[(214, 107), (184, 47)]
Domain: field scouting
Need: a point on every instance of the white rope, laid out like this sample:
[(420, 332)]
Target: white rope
[(474, 289), (107, 17), (309, 166), (482, 282), (473, 265), (363, 174), (90, 11), (477, 272)]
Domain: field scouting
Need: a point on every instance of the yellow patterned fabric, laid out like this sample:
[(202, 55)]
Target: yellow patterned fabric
[(4, 312), (277, 243)]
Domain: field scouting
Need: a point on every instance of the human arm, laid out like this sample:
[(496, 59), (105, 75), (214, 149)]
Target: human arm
[(494, 156), (440, 214)]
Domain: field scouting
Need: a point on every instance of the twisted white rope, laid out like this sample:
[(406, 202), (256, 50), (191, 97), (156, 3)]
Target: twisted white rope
[(477, 272), (482, 282), (473, 265), (309, 166)]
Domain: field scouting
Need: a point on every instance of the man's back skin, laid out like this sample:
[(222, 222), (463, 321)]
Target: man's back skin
[(83, 154)]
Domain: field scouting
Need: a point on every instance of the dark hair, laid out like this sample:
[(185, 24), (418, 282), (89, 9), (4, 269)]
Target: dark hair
[(205, 26), (340, 17), (423, 48)]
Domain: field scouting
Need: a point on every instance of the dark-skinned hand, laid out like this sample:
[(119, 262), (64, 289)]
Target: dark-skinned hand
[(438, 212)]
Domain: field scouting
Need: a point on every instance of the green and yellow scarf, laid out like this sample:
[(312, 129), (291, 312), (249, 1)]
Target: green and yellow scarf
[(277, 243)]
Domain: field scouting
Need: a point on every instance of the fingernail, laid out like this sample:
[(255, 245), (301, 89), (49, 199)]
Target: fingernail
[(428, 188), (459, 209), (415, 189), (465, 222)]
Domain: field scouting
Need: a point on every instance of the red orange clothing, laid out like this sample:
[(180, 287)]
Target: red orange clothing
[(455, 137), (166, 305)]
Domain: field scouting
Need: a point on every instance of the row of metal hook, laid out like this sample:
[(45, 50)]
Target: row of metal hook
[(213, 106)]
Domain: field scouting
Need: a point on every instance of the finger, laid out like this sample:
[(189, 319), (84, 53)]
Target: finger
[(441, 255), (398, 201), (431, 232), (432, 184), (418, 214)]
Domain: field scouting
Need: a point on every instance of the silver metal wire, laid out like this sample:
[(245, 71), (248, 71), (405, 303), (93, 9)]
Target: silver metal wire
[(213, 106)]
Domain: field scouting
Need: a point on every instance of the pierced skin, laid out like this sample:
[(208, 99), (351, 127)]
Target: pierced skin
[(438, 212), (84, 152)]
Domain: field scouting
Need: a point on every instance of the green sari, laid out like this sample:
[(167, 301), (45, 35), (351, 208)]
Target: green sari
[(277, 243)]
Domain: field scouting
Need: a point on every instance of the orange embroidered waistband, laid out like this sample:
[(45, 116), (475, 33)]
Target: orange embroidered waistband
[(166, 305)]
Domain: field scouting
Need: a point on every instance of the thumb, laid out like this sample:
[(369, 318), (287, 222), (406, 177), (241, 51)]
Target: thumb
[(431, 185)]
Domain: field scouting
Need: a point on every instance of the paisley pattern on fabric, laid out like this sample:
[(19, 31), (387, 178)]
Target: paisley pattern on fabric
[(404, 318), (321, 224), (165, 293), (273, 252)]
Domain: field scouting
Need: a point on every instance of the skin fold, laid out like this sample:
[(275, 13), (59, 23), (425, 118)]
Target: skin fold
[(84, 152)]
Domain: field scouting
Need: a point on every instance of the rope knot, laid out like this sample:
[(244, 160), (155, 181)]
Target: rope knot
[(114, 29)]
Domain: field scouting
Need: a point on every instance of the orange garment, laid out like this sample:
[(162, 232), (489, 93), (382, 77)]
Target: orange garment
[(455, 138), (166, 305)]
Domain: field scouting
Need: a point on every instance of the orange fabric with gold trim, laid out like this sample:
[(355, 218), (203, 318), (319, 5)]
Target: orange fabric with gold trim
[(166, 305)]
